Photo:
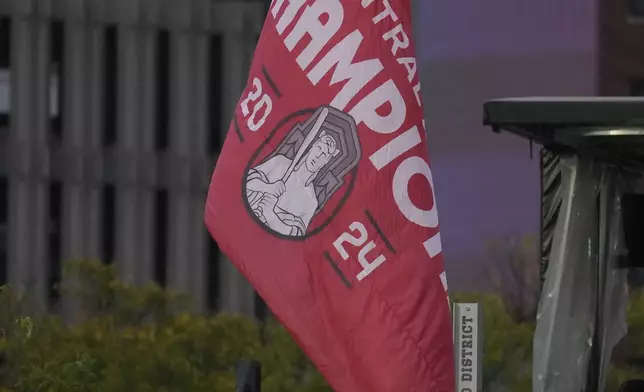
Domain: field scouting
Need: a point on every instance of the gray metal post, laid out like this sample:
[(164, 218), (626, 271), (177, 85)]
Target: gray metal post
[(248, 376)]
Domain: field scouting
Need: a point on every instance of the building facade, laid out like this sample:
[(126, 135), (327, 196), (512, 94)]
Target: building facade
[(112, 114), (621, 47)]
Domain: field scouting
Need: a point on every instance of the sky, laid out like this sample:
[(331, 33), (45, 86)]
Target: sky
[(487, 185), (472, 28)]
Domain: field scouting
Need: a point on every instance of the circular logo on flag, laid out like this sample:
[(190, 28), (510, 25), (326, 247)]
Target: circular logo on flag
[(295, 189)]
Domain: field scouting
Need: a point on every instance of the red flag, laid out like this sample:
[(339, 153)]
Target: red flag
[(323, 195)]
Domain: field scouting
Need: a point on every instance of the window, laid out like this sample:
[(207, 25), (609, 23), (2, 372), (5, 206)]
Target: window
[(215, 78), (267, 6), (4, 218), (110, 86), (637, 88), (636, 8), (4, 271), (4, 200), (54, 240), (5, 42), (161, 139), (261, 310), (57, 55), (108, 221), (5, 61), (159, 252), (213, 266)]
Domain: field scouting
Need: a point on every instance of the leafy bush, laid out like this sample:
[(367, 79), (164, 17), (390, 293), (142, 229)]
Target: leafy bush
[(141, 339), (628, 357), (513, 271), (507, 345), (136, 339)]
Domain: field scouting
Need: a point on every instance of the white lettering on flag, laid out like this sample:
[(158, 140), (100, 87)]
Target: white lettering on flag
[(395, 148), (433, 246), (320, 33), (289, 14), (357, 75), (365, 111), (407, 169), (382, 109), (399, 38)]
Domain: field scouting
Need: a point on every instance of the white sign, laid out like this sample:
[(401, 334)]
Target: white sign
[(467, 347)]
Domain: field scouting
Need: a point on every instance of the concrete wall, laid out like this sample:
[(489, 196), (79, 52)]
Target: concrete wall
[(621, 49)]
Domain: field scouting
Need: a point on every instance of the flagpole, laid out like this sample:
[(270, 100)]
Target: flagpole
[(248, 376)]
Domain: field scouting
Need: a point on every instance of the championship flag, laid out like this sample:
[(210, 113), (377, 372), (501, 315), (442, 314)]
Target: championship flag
[(323, 195)]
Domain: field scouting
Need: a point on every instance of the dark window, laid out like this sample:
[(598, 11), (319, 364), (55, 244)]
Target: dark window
[(159, 254), (637, 88), (261, 310), (267, 6), (110, 88), (4, 271), (4, 279), (108, 221), (161, 139), (4, 200), (636, 8), (213, 266), (57, 56), (5, 62), (215, 79), (4, 217), (5, 42), (54, 239)]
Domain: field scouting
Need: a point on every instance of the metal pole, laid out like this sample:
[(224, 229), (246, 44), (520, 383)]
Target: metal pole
[(248, 376), (594, 366)]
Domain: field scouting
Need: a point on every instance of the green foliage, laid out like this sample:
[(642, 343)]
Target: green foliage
[(629, 353), (513, 272), (137, 339), (635, 338), (619, 375), (142, 339)]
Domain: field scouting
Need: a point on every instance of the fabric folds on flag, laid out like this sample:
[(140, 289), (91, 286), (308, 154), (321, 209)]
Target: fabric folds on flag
[(323, 195)]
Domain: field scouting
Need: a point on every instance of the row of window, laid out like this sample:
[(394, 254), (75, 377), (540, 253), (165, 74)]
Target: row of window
[(110, 137), (4, 216), (5, 40), (111, 85), (108, 240)]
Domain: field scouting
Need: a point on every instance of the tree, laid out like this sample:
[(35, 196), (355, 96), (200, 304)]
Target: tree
[(141, 339), (513, 270), (138, 339)]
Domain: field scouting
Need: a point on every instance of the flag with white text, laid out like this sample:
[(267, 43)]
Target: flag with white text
[(323, 195)]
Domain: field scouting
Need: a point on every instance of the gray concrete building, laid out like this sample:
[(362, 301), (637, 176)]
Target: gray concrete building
[(112, 114), (620, 47)]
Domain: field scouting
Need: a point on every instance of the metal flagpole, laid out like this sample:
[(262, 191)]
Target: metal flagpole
[(248, 376)]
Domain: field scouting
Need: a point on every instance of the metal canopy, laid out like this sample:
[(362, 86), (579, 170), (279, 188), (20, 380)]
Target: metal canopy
[(611, 128), (575, 209)]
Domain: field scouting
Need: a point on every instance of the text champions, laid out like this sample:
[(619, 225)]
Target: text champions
[(317, 23)]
